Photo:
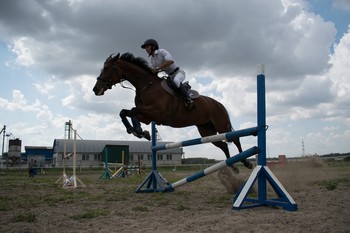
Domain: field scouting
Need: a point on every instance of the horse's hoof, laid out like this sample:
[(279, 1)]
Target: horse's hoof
[(146, 135), (129, 130), (247, 164), (137, 134)]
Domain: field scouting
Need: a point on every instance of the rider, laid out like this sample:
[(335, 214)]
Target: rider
[(161, 60)]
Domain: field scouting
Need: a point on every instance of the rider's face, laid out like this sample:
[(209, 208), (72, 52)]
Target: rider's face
[(149, 49)]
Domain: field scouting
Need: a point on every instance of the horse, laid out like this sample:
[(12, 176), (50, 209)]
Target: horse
[(153, 103)]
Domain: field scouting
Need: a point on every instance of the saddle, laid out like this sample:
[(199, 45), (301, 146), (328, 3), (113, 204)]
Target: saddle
[(170, 87)]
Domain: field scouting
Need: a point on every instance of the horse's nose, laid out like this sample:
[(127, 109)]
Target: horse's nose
[(95, 90)]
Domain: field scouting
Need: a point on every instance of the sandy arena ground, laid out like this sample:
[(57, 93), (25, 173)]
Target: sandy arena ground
[(40, 205)]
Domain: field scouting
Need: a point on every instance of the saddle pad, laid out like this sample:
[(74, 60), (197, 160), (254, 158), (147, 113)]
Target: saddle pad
[(192, 93)]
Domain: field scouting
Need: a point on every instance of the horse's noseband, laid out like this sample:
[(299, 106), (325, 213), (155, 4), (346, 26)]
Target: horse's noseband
[(108, 83)]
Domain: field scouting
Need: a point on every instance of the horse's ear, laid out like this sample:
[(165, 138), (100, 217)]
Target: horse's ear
[(117, 56)]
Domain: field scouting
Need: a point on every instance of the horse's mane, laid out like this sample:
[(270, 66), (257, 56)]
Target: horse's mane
[(139, 61)]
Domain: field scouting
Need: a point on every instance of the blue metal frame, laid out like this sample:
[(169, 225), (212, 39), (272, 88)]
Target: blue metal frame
[(262, 173), (155, 182)]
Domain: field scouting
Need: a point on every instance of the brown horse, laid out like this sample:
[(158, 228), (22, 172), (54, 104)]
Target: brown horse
[(153, 103)]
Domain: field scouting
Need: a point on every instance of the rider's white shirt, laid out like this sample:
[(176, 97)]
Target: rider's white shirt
[(159, 57)]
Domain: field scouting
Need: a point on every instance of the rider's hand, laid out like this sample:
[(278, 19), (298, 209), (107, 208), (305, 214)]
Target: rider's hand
[(155, 70)]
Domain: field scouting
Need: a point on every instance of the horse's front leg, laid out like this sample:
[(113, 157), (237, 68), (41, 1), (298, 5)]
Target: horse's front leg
[(135, 128), (123, 114), (139, 132)]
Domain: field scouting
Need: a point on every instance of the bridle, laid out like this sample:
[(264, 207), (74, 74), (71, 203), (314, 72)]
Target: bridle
[(109, 83)]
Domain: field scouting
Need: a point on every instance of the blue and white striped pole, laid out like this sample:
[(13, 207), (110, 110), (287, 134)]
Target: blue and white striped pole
[(228, 162), (214, 138)]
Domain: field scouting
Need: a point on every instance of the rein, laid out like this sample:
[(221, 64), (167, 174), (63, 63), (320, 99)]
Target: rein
[(130, 88), (108, 85)]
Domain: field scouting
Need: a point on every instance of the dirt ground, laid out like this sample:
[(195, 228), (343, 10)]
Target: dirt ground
[(39, 204)]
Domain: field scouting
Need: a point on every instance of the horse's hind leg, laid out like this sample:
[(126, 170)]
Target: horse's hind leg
[(208, 130), (246, 163)]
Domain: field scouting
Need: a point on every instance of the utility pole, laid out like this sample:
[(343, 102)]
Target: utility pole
[(302, 147), (3, 131), (68, 129)]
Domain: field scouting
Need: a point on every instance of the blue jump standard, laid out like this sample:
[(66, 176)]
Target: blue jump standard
[(261, 174)]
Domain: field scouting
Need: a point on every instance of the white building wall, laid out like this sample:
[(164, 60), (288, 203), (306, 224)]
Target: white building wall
[(94, 160)]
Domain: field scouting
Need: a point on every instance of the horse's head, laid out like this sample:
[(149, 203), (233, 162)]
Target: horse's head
[(108, 77)]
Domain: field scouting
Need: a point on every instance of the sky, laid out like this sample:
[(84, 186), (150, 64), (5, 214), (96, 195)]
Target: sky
[(52, 51)]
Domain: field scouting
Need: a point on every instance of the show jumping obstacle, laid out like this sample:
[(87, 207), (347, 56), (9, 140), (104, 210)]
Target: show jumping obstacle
[(72, 181), (123, 171), (155, 182)]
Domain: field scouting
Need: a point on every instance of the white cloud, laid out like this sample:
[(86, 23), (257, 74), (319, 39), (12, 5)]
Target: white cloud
[(339, 73), (45, 87), (23, 51), (68, 44), (18, 101)]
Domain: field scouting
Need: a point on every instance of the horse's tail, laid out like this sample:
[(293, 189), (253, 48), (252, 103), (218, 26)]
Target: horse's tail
[(228, 118), (236, 140), (229, 121)]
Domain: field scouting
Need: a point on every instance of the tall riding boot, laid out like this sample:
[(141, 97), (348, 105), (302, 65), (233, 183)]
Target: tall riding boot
[(188, 101)]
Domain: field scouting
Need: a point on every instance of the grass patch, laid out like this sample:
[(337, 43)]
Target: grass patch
[(329, 184), (25, 217), (140, 209), (181, 207), (91, 213), (4, 204)]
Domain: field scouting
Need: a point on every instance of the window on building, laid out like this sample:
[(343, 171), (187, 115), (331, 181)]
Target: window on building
[(131, 157), (169, 157), (85, 157), (139, 157), (159, 157), (97, 157)]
